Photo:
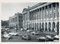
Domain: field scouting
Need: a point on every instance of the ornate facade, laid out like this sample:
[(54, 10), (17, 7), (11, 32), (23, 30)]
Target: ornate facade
[(42, 17)]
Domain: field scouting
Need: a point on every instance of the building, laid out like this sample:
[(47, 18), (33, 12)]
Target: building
[(25, 18), (5, 23), (42, 17), (16, 21)]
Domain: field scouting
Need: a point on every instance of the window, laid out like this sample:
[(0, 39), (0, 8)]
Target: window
[(57, 9), (46, 12), (43, 13), (54, 15), (39, 14)]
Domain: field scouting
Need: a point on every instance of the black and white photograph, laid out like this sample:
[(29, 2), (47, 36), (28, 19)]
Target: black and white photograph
[(30, 22)]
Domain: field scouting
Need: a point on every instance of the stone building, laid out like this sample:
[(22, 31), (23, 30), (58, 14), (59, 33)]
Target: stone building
[(42, 17), (16, 21)]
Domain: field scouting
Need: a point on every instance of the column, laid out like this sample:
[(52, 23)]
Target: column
[(52, 17), (23, 20), (17, 18), (55, 27), (36, 20), (48, 17), (45, 16), (51, 26), (42, 16), (28, 18)]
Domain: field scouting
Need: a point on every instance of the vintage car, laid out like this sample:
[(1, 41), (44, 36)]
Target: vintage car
[(26, 37), (42, 38), (35, 33), (14, 33), (29, 30), (56, 37), (50, 38), (7, 36)]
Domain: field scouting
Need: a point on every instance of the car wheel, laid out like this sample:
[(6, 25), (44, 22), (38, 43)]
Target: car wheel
[(56, 38), (17, 35), (29, 39)]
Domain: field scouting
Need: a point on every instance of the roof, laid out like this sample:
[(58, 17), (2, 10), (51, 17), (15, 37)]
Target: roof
[(39, 4), (25, 9), (29, 8)]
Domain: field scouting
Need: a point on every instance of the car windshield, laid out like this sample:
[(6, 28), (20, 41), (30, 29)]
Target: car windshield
[(57, 36), (42, 37), (48, 36)]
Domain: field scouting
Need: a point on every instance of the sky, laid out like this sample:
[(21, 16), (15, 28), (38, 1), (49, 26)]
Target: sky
[(9, 9)]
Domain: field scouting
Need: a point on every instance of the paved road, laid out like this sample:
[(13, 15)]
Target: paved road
[(18, 38)]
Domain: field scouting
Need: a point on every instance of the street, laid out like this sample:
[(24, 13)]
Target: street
[(19, 39)]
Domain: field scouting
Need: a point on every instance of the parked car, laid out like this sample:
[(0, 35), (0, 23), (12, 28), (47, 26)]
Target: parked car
[(29, 30), (14, 33), (50, 38), (26, 37), (42, 38), (7, 36), (21, 29), (56, 37), (6, 28), (35, 33)]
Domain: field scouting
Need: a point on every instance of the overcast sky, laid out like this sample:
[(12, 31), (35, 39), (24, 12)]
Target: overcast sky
[(9, 9)]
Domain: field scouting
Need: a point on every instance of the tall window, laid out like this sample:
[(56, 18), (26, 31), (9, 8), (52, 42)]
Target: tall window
[(57, 9), (46, 12), (54, 9), (43, 13), (40, 13), (50, 11)]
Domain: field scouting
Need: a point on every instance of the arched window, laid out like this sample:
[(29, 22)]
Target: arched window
[(38, 26), (42, 26), (57, 27), (53, 26), (45, 26), (49, 26)]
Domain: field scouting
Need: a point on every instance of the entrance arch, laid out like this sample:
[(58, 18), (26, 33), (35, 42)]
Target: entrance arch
[(53, 26), (57, 27), (49, 26), (45, 26), (42, 26)]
